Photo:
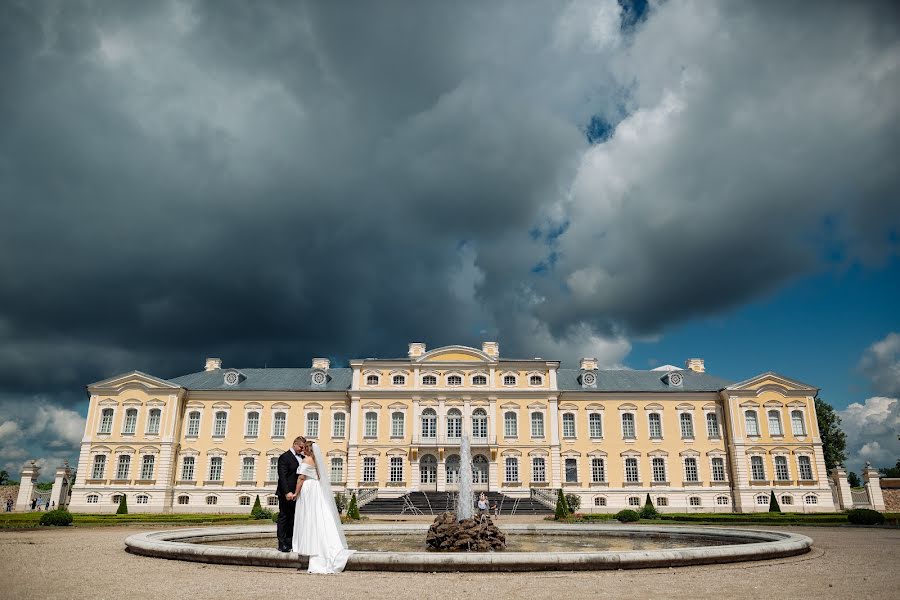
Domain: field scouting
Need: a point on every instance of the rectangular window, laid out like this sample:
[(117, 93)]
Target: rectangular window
[(99, 466), (718, 469), (810, 500), (510, 426), (183, 499), (123, 467), (273, 469), (538, 470), (153, 421), (781, 468), (655, 420), (797, 427), (595, 425), (221, 421), (751, 422), (147, 466), (775, 423), (248, 468), (130, 420), (659, 470), (537, 424), (712, 425), (339, 425), (279, 424), (722, 500), (396, 469), (757, 470), (187, 468), (252, 424), (369, 468), (634, 501), (690, 470), (512, 469), (215, 468), (687, 425), (694, 501), (628, 426), (397, 424), (598, 470), (371, 429), (337, 469), (193, 428), (106, 419), (568, 425), (571, 470), (244, 501), (631, 470), (312, 425), (429, 424), (805, 465)]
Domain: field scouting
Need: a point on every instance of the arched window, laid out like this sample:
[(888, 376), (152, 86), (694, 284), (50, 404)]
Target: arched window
[(797, 425), (244, 500), (751, 422), (279, 424), (130, 420), (662, 501), (93, 499), (429, 380), (429, 423), (147, 464), (124, 466), (762, 500), (371, 429), (339, 424), (143, 499), (273, 469), (479, 380), (368, 469), (153, 419), (479, 469), (479, 423), (454, 380), (757, 468), (804, 466), (687, 425), (193, 424), (810, 499), (536, 380), (722, 500), (106, 419), (372, 380), (634, 501), (787, 500), (537, 424), (399, 380), (272, 501), (598, 470), (659, 469), (628, 426), (538, 469), (599, 501), (212, 500), (184, 499), (221, 421), (509, 380), (252, 424), (428, 469), (712, 425), (595, 425), (718, 469), (510, 424), (215, 468), (248, 468), (99, 466), (655, 422), (568, 425), (312, 425), (775, 423), (452, 464), (187, 468), (454, 423), (631, 470), (397, 422), (695, 501), (512, 469), (337, 469), (691, 472), (396, 470), (781, 468)]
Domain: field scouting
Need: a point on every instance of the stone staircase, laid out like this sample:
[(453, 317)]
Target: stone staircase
[(433, 503)]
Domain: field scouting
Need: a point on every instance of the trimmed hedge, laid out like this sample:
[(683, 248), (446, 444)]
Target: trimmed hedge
[(59, 518), (627, 516), (353, 509), (649, 511), (562, 507), (865, 516)]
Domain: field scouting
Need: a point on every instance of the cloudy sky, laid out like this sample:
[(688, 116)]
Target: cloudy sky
[(272, 181)]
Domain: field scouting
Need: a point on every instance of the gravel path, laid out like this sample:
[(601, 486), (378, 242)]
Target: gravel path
[(91, 563)]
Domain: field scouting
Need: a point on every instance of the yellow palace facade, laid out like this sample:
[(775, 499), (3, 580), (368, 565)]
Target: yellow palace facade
[(208, 441)]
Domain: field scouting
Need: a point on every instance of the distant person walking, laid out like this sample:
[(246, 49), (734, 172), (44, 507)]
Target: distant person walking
[(33, 503), (9, 505)]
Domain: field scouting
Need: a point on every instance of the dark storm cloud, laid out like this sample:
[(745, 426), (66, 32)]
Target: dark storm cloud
[(269, 181)]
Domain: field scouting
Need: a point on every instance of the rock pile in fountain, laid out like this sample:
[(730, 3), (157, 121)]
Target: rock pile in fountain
[(467, 535)]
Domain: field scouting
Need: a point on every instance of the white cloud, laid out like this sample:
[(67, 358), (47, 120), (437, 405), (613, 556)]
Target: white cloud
[(881, 363), (8, 430), (872, 429), (37, 429)]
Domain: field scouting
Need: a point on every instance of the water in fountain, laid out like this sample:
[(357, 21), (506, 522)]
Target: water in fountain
[(465, 501)]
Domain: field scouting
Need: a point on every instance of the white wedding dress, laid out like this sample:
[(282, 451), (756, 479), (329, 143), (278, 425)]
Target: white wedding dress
[(317, 528)]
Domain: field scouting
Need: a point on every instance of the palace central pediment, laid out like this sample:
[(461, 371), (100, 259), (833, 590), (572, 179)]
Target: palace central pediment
[(455, 354)]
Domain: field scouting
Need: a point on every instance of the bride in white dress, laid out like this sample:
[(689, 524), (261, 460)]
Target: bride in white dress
[(317, 525)]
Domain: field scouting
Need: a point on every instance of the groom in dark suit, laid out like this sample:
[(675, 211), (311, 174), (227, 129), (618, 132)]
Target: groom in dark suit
[(287, 481)]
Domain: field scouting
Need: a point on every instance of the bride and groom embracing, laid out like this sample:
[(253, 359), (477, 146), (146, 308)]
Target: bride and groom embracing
[(308, 520)]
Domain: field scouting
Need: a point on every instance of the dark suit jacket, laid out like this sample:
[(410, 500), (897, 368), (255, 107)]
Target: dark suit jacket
[(287, 473)]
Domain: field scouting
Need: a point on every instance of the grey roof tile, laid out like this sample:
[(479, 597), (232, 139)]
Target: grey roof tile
[(624, 380), (266, 380)]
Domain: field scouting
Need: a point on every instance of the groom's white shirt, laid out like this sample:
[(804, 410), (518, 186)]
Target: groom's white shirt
[(297, 456)]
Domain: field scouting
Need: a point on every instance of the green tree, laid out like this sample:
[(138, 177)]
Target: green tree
[(353, 510), (773, 503), (853, 479), (123, 506), (257, 508), (46, 486), (562, 507), (649, 511), (834, 441), (891, 471), (4, 477)]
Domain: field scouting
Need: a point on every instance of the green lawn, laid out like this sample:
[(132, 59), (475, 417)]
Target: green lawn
[(824, 519), (31, 519)]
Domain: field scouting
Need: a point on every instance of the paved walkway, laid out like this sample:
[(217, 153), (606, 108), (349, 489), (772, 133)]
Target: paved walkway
[(91, 563)]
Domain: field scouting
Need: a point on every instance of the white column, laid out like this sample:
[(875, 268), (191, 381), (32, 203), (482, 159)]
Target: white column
[(871, 480), (28, 478), (839, 477), (353, 444), (555, 458), (60, 491)]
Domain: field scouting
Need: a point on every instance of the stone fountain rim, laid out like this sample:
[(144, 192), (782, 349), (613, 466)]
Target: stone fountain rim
[(761, 545)]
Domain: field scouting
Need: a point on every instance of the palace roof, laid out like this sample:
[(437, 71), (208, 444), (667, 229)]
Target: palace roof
[(625, 380)]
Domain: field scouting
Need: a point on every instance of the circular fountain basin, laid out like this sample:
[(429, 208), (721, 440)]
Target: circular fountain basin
[(693, 546)]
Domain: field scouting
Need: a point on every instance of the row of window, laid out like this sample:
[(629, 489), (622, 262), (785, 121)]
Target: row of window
[(798, 426), (129, 424), (183, 499), (252, 419), (455, 380), (758, 468), (123, 467), (663, 501)]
